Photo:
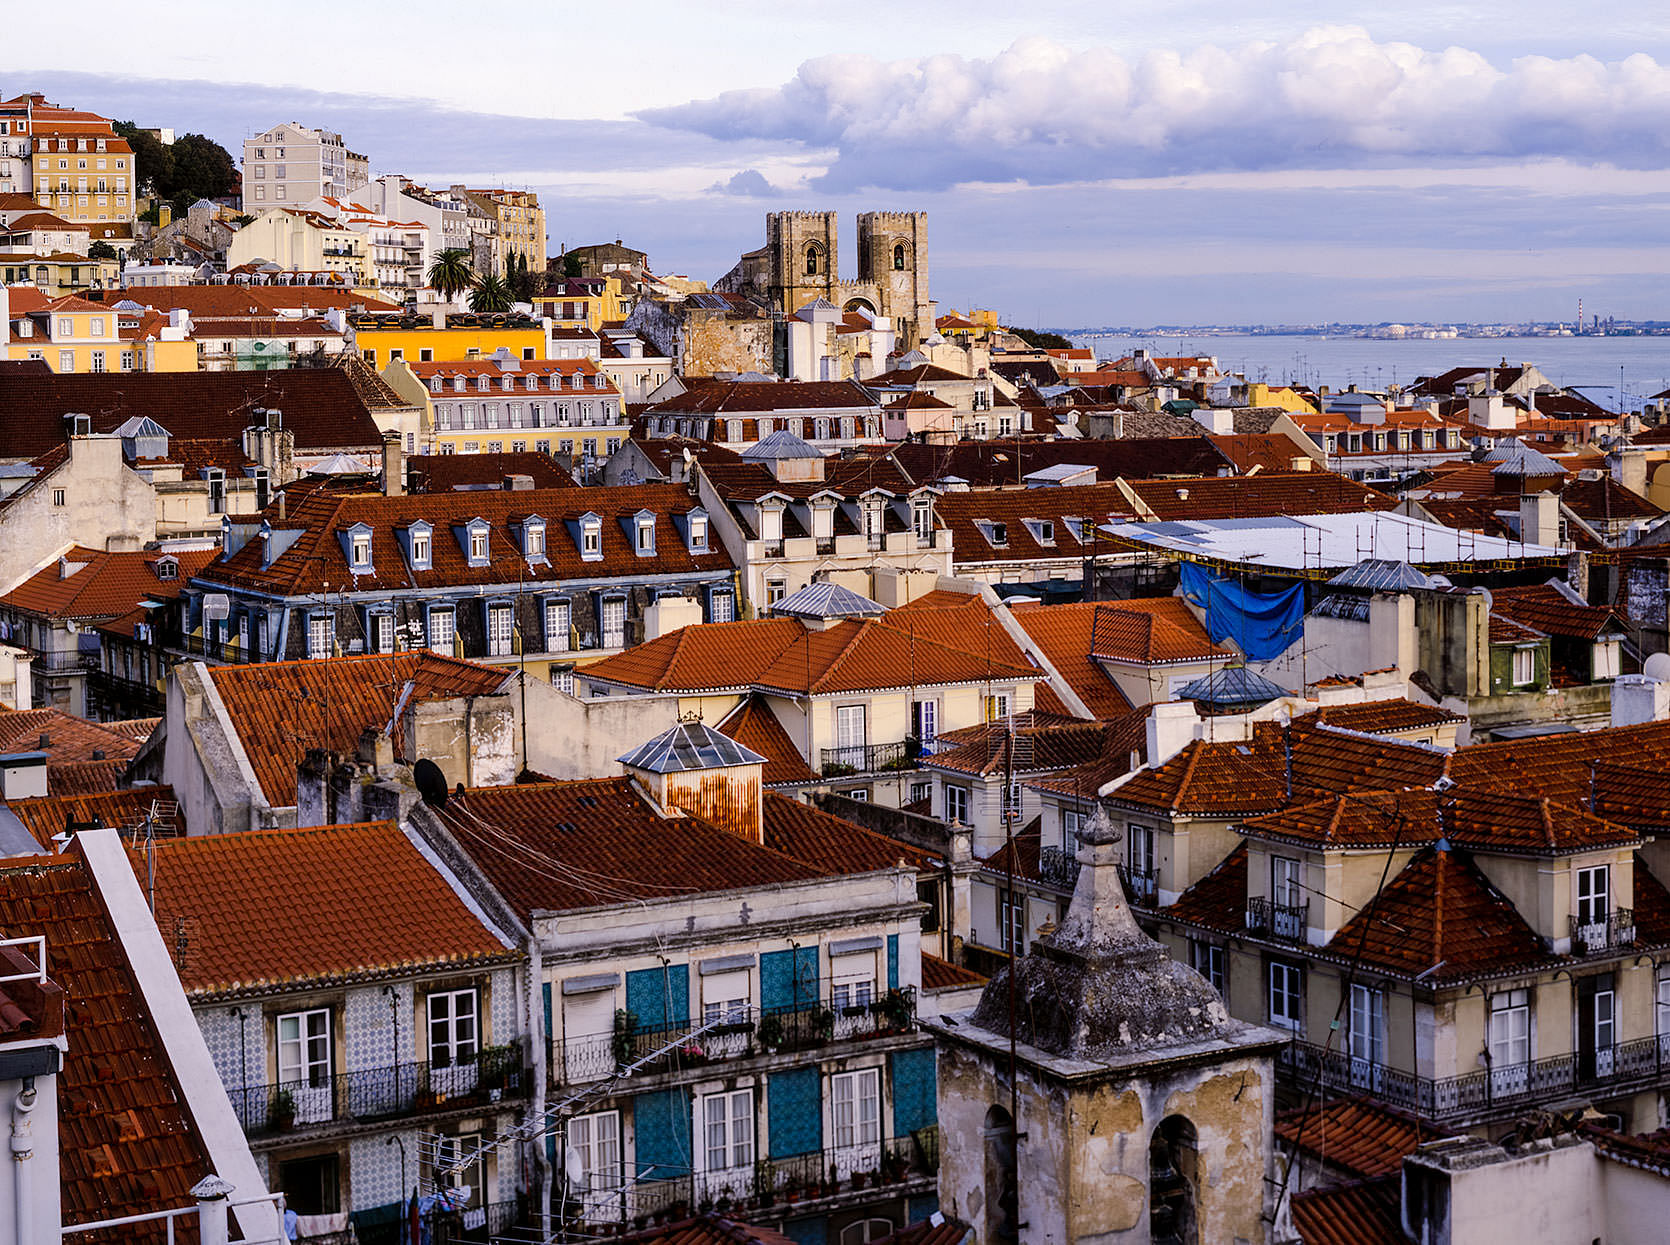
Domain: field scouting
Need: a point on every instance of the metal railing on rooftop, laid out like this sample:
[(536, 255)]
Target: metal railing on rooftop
[(1608, 932), (870, 758), (1285, 922)]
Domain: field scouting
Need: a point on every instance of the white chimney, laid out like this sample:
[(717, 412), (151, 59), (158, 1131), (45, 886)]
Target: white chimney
[(1637, 699), (1539, 519), (1171, 728), (1487, 410)]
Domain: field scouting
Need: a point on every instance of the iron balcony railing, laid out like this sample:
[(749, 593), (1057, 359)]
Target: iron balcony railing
[(1285, 922), (1605, 932), (747, 1032), (789, 1185), (1606, 1070), (1142, 887), (871, 758), (824, 544), (378, 1093), (1058, 867)]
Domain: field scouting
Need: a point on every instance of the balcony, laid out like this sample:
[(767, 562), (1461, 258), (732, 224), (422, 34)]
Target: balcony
[(1606, 1072), (1285, 922), (1058, 867), (824, 545), (1142, 889), (771, 548), (372, 1094), (1612, 931), (752, 1032), (794, 1185), (870, 758)]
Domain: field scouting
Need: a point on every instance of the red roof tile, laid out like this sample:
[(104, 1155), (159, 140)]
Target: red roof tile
[(708, 1229), (374, 905), (1219, 900), (1356, 1135), (125, 809), (1263, 495), (66, 739), (1368, 1213), (1582, 769), (1546, 609), (280, 709), (728, 397), (989, 464), (319, 557), (938, 974), (753, 725), (127, 1144), (92, 584), (440, 473), (1386, 717), (560, 846), (1441, 920), (833, 844)]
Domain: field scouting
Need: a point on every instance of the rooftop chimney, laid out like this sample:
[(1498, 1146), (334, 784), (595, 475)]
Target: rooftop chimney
[(394, 466), (518, 484)]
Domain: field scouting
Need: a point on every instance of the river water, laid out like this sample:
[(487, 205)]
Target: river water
[(1592, 363)]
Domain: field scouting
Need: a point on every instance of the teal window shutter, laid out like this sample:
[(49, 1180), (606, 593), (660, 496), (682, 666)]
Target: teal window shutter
[(806, 975), (547, 1011), (789, 979), (659, 997), (795, 1112), (892, 961), (807, 1231), (915, 1090), (661, 1122)]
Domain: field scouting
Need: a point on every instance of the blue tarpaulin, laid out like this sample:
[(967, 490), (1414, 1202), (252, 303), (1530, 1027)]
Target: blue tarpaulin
[(1262, 624)]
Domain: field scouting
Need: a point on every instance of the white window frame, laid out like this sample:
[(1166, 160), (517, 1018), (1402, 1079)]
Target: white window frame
[(453, 1034), (1593, 894), (1508, 1038), (1011, 921), (305, 1056), (473, 1175), (1285, 995), (559, 620), (956, 804), (725, 1134), (321, 635), (855, 1109), (1211, 961), (596, 1139), (501, 629), (441, 637), (1524, 667)]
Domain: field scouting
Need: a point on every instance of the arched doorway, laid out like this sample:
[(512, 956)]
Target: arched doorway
[(860, 302), (1173, 1182), (1002, 1219)]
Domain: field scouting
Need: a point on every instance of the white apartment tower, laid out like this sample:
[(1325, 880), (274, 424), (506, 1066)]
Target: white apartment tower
[(292, 164)]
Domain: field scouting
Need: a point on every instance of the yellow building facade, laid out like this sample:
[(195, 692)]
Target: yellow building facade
[(302, 241), (382, 339), (59, 274), (85, 177), (1267, 395)]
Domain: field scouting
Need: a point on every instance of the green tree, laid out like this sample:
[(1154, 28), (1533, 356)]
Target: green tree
[(101, 250), (570, 265), (1040, 340), (153, 164), (523, 282), (200, 168), (490, 294), (450, 274)]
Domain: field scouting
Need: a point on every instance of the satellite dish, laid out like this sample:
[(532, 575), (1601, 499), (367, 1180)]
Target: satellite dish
[(217, 606), (1657, 667), (573, 1168), (431, 783)]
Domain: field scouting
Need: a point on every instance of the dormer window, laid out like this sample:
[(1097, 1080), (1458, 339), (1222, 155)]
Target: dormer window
[(418, 538), (359, 549), (643, 534), (216, 478), (591, 538), (167, 569), (481, 383), (996, 533), (458, 384), (476, 542), (771, 522), (434, 384), (922, 519), (1043, 530), (697, 521), (533, 538)]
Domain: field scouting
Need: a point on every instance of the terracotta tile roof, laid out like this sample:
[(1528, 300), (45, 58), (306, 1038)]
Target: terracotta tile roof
[(440, 473), (1063, 633), (1580, 769), (1546, 609), (127, 1145), (938, 974), (85, 777), (926, 1232), (280, 709), (129, 807), (374, 905), (753, 725), (1367, 1213), (319, 404), (65, 738), (1023, 850), (992, 747), (747, 480), (728, 397), (907, 647), (1260, 496), (1652, 906), (1646, 1150), (1024, 514), (1264, 450), (991, 464), (833, 844), (1124, 745), (1441, 920), (1226, 778), (1218, 900), (1356, 1135), (319, 557), (1504, 630), (1471, 817), (103, 585), (1605, 500), (133, 728), (1385, 717), (558, 846)]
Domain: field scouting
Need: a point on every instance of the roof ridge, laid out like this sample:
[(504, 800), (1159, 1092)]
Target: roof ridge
[(859, 632)]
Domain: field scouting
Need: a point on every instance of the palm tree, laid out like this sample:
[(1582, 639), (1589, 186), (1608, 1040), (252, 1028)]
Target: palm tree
[(490, 294), (450, 273)]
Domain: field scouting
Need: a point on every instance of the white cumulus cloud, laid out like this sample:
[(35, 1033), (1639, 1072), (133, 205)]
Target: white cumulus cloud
[(1043, 113)]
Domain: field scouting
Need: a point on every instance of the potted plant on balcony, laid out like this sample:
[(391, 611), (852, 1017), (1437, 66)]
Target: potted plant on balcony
[(765, 1190), (895, 1009), (770, 1032), (823, 1025), (283, 1112), (626, 1024)]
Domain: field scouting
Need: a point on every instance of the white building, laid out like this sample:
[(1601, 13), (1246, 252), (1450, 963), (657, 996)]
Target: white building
[(291, 163)]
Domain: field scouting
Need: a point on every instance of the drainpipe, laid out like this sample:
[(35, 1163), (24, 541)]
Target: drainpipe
[(539, 1040), (23, 1150)]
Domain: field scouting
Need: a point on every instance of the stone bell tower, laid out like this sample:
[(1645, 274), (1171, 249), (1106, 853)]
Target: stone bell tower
[(1133, 1108), (805, 258), (893, 256)]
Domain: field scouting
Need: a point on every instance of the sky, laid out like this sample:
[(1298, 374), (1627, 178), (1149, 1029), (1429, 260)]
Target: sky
[(1082, 164)]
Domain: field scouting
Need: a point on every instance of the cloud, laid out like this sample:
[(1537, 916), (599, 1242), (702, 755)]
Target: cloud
[(749, 182), (1043, 113)]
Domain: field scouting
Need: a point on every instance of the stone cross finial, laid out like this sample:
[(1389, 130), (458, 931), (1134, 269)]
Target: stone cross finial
[(1099, 830)]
